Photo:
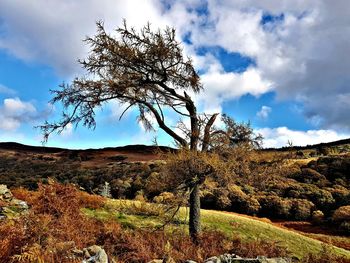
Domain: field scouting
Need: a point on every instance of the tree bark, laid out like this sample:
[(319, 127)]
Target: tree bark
[(195, 216)]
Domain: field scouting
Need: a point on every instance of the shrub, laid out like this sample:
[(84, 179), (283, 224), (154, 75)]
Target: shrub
[(323, 199), (164, 198), (323, 150), (299, 154), (139, 196), (274, 206), (235, 199), (54, 218), (342, 214), (345, 227), (155, 184), (12, 238), (301, 209), (223, 199), (341, 195), (317, 217), (310, 176), (91, 201)]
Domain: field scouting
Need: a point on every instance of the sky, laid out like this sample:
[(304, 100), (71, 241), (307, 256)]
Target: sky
[(283, 65)]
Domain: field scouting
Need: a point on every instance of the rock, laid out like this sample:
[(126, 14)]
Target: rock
[(10, 207), (5, 193), (165, 260), (273, 260), (95, 254), (222, 259), (232, 258), (19, 204)]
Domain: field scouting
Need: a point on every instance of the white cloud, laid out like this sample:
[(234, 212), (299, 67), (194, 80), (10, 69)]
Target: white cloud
[(303, 56), (264, 112), (305, 53), (6, 90), (279, 137), (16, 107), (220, 86), (51, 32), (14, 112)]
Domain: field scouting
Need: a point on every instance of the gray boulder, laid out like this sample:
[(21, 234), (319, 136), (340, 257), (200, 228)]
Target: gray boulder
[(223, 258), (232, 258), (5, 193), (95, 254), (10, 207)]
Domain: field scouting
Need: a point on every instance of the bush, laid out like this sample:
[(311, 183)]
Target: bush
[(341, 217), (91, 201), (342, 214), (54, 218), (341, 195), (311, 176), (345, 227), (301, 209), (274, 206), (317, 217), (164, 198), (240, 201)]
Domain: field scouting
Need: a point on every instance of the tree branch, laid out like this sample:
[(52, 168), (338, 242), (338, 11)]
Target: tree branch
[(206, 136)]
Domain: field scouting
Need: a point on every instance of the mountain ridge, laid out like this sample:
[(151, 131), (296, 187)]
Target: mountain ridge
[(146, 148)]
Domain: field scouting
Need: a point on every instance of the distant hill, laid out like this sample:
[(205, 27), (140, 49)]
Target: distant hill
[(313, 146), (146, 149), (89, 157), (137, 148)]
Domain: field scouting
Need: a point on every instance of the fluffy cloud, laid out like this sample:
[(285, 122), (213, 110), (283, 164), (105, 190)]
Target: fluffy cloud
[(300, 48), (264, 112), (51, 32), (279, 137), (221, 86), (14, 112)]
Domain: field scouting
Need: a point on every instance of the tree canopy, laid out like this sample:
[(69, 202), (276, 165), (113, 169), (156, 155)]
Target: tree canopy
[(145, 69)]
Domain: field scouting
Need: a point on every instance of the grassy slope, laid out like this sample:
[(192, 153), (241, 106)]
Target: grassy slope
[(231, 224)]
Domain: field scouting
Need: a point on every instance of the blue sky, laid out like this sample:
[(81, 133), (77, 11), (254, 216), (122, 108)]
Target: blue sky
[(282, 65)]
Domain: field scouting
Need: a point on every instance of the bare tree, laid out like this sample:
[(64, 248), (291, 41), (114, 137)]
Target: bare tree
[(144, 70)]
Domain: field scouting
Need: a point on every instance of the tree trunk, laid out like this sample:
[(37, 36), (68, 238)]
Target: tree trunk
[(195, 216)]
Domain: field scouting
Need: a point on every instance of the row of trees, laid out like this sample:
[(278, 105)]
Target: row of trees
[(146, 70)]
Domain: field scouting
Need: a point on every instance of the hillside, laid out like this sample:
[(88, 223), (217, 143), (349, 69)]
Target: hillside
[(55, 230), (296, 192), (233, 225), (340, 144), (89, 157)]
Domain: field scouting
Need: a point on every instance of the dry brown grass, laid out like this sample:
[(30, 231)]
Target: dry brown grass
[(55, 225), (326, 256)]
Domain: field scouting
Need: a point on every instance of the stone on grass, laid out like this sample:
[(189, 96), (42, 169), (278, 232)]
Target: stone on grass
[(95, 254)]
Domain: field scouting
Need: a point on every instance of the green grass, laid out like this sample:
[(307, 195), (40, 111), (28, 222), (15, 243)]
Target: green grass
[(250, 229), (143, 215)]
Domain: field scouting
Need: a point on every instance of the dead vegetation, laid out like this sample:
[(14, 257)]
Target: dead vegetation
[(56, 226)]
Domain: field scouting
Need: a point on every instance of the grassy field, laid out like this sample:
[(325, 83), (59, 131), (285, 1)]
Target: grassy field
[(133, 214)]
